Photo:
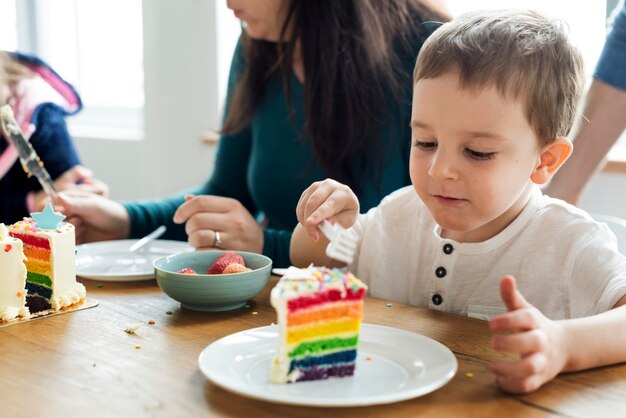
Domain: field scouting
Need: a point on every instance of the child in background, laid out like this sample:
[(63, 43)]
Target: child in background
[(40, 100), (494, 96)]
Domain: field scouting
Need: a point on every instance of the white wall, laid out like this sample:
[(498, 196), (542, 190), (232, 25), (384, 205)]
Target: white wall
[(606, 195), (181, 102)]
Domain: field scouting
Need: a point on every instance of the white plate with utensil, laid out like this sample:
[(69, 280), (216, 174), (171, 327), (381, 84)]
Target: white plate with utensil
[(113, 261)]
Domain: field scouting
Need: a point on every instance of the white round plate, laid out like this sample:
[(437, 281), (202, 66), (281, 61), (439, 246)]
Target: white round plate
[(392, 365), (111, 260)]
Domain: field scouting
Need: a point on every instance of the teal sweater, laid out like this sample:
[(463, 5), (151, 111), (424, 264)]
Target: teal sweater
[(267, 166)]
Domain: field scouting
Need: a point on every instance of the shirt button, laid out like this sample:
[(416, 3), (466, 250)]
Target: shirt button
[(441, 272), (448, 248), (437, 299)]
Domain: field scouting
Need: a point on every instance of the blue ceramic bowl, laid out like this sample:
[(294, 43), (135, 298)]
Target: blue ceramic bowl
[(211, 292)]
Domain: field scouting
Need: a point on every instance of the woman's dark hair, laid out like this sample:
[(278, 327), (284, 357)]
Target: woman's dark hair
[(351, 53)]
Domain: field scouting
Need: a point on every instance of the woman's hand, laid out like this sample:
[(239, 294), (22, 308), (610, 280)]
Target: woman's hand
[(540, 342), (327, 199), (95, 217), (76, 178), (206, 215)]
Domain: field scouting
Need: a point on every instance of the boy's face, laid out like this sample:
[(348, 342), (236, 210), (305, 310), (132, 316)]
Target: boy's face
[(472, 155)]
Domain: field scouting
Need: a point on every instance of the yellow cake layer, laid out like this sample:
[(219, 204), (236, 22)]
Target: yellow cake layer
[(324, 329), (326, 312), (39, 267)]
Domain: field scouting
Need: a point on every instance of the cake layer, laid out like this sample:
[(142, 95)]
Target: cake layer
[(38, 290), (37, 304), (322, 346), (37, 253), (32, 240), (298, 334), (331, 295), (319, 373), (40, 279), (338, 358), (40, 267), (326, 311)]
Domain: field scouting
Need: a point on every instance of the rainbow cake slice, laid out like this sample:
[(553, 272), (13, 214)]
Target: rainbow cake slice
[(12, 277), (49, 247), (319, 318)]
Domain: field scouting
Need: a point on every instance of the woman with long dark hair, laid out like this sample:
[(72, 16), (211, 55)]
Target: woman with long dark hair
[(317, 89)]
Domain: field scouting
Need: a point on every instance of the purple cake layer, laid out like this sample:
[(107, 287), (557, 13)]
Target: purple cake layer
[(37, 304), (320, 373)]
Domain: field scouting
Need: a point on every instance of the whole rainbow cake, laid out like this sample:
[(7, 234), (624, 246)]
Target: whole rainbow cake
[(49, 247), (12, 277), (319, 318)]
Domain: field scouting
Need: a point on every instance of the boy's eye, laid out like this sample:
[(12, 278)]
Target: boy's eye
[(477, 155), (425, 145)]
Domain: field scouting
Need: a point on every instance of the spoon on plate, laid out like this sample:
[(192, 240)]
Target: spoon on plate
[(148, 238)]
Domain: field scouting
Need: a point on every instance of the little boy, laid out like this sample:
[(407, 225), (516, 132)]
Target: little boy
[(494, 96)]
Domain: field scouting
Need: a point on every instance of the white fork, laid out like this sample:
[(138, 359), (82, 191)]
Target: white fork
[(342, 244)]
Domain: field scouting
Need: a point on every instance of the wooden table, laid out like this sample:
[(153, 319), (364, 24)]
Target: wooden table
[(84, 364)]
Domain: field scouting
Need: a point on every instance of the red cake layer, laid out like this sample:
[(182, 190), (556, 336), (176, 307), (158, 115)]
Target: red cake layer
[(331, 295), (33, 240)]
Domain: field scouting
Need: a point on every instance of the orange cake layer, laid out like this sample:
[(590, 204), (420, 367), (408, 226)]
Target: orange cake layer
[(332, 311)]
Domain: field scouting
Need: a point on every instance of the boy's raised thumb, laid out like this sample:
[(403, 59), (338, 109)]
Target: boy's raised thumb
[(511, 297)]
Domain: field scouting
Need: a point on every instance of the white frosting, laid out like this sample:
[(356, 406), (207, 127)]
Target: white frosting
[(8, 313), (70, 297), (63, 261), (12, 277), (279, 369), (66, 290)]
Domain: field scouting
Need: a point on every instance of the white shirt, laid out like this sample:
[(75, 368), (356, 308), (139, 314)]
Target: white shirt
[(566, 264)]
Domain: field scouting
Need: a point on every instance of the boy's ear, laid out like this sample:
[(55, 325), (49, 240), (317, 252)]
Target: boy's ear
[(551, 159)]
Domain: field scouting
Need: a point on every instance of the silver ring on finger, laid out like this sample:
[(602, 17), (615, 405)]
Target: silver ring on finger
[(218, 239)]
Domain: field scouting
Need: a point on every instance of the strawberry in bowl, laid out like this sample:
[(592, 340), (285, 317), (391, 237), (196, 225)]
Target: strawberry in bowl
[(212, 280)]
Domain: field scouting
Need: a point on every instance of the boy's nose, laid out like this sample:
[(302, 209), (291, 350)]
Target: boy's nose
[(442, 167)]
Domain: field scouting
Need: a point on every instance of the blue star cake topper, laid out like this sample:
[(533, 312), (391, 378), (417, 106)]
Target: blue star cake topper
[(47, 218)]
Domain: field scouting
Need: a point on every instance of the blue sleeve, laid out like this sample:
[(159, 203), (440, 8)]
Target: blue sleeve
[(54, 146), (611, 67), (228, 179), (276, 246), (52, 140)]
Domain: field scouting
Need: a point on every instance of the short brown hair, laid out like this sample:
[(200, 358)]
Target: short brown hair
[(524, 54)]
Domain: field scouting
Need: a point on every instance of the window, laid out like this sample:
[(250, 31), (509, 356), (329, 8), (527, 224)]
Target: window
[(586, 20), (97, 46), (8, 25)]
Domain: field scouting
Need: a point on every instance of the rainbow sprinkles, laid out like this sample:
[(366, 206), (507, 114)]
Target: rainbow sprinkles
[(319, 318)]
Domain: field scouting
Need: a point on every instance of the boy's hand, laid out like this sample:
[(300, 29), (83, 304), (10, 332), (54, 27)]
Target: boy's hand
[(539, 341), (330, 200)]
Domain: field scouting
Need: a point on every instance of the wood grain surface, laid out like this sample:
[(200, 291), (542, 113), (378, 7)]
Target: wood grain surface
[(84, 364)]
